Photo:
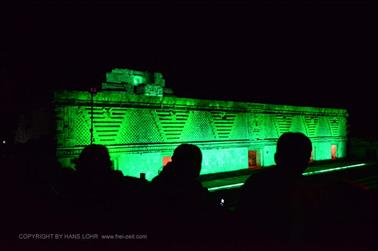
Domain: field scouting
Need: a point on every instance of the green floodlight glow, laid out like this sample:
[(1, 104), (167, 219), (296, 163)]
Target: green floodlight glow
[(138, 80), (237, 185), (212, 189), (141, 131), (333, 169)]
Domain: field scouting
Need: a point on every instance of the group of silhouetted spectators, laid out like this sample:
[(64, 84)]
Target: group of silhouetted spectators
[(277, 207)]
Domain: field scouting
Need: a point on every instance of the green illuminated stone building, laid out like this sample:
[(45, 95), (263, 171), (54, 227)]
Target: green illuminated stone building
[(141, 126)]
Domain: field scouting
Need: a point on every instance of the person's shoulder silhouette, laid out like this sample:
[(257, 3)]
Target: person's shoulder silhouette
[(268, 199), (293, 153), (292, 157), (99, 191), (184, 167), (94, 159), (178, 195)]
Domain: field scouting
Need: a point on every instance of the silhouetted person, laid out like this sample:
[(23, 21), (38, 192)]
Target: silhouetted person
[(103, 199), (183, 205), (184, 167), (270, 203)]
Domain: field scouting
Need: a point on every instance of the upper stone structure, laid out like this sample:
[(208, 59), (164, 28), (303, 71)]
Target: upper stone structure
[(136, 82)]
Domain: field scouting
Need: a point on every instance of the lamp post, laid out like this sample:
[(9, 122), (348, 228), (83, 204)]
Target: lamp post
[(93, 91)]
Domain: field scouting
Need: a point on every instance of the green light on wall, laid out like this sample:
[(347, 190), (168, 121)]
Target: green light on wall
[(138, 80), (224, 160), (140, 130), (136, 163), (214, 161)]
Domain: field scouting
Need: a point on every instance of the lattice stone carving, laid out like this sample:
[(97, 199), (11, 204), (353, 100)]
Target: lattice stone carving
[(283, 123), (139, 127), (223, 123), (171, 123), (198, 127), (312, 124)]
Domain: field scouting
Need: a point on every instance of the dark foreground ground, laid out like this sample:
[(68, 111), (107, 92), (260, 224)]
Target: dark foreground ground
[(226, 189), (364, 174)]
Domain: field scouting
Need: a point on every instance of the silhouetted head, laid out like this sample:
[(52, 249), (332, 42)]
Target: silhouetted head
[(187, 159), (94, 159), (293, 152)]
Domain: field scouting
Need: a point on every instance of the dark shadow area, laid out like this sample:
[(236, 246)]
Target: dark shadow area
[(280, 208), (183, 204), (276, 207)]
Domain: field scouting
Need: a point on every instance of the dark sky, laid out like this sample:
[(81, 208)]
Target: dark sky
[(311, 53)]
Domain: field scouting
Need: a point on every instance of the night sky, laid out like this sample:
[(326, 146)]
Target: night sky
[(304, 53)]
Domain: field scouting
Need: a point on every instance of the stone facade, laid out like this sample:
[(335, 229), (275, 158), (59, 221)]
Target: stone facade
[(140, 131)]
